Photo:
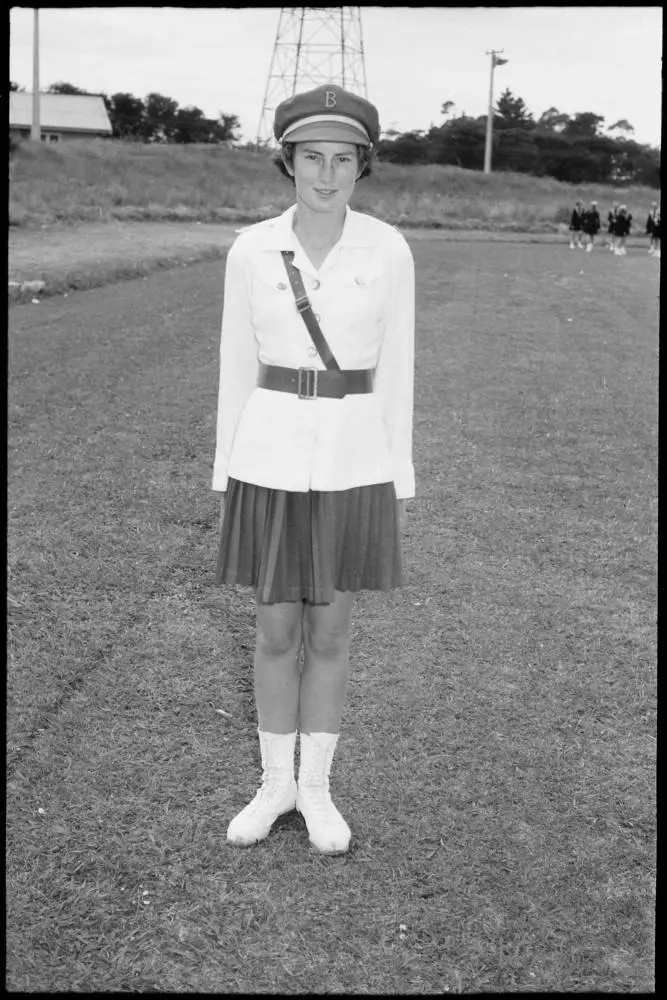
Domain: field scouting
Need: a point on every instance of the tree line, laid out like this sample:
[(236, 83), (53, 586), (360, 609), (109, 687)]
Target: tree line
[(570, 148), (157, 118)]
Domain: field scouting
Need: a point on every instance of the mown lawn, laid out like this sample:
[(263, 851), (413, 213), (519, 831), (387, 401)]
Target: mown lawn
[(497, 758)]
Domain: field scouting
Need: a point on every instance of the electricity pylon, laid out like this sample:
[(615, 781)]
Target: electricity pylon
[(314, 45)]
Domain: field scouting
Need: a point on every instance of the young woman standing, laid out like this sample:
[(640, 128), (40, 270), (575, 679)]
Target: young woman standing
[(591, 225), (653, 230), (622, 230), (314, 444), (611, 226), (576, 220)]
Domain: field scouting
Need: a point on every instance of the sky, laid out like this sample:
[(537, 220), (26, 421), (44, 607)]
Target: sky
[(601, 59)]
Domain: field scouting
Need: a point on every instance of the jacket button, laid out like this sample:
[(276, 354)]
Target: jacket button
[(317, 317), (316, 284), (281, 286), (312, 351), (360, 281)]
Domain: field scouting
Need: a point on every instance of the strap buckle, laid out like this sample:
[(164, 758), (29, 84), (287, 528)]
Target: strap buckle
[(302, 303), (306, 383)]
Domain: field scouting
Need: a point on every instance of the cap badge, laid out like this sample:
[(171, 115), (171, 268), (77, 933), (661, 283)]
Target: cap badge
[(329, 98)]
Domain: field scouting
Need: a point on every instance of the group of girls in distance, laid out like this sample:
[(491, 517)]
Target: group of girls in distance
[(585, 224)]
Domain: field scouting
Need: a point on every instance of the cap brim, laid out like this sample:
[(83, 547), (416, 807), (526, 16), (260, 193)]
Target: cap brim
[(328, 132)]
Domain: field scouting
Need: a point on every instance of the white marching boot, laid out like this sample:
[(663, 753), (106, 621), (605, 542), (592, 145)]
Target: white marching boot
[(327, 830), (277, 794)]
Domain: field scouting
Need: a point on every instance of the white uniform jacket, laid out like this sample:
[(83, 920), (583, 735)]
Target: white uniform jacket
[(363, 296)]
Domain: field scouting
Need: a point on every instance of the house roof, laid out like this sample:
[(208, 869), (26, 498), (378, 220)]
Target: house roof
[(68, 112)]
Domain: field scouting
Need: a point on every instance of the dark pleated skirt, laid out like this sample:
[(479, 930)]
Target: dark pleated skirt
[(304, 546)]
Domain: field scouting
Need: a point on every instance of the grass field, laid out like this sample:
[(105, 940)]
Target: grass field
[(91, 254), (497, 758)]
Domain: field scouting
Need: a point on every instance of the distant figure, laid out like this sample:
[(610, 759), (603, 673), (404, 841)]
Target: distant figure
[(622, 229), (611, 226), (590, 223), (651, 222), (575, 226), (656, 234)]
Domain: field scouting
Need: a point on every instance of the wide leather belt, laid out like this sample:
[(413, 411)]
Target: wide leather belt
[(310, 383)]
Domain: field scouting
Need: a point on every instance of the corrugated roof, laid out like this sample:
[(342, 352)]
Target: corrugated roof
[(69, 112)]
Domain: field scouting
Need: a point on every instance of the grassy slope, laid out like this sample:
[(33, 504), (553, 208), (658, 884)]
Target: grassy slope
[(100, 180), (497, 759)]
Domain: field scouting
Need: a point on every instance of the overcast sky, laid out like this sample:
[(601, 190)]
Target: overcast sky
[(601, 59)]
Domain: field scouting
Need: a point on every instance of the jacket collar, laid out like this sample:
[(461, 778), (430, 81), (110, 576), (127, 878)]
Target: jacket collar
[(278, 234)]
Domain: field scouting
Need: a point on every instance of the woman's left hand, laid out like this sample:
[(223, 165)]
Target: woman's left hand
[(402, 513)]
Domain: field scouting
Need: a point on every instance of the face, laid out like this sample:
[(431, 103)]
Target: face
[(324, 174)]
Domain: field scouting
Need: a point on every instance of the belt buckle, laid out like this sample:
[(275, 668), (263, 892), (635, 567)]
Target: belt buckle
[(306, 383)]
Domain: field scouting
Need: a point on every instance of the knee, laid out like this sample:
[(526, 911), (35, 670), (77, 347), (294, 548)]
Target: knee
[(326, 643), (278, 640)]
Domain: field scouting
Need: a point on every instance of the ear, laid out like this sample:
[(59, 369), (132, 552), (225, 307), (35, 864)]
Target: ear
[(288, 166)]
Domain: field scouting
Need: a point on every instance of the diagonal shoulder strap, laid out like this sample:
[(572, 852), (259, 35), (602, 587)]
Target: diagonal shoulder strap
[(306, 310)]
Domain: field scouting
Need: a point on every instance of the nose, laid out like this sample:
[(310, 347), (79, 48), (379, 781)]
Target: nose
[(326, 171)]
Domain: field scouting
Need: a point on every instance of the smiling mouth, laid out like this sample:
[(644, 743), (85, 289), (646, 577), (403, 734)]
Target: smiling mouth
[(327, 191)]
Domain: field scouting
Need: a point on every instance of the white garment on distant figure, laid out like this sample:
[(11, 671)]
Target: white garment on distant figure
[(364, 298)]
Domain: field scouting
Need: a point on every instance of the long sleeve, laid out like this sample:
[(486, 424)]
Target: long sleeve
[(394, 378), (239, 363)]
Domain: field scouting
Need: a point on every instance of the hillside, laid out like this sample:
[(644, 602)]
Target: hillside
[(102, 180)]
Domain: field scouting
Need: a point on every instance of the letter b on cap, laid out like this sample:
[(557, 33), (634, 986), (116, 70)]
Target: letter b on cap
[(329, 98)]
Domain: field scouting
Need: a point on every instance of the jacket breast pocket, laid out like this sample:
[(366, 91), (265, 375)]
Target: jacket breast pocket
[(272, 293), (363, 277), (362, 292)]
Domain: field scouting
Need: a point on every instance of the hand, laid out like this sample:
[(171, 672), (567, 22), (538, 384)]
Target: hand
[(402, 514)]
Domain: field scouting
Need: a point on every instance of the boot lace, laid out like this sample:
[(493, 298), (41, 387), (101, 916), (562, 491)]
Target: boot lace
[(317, 795), (274, 783)]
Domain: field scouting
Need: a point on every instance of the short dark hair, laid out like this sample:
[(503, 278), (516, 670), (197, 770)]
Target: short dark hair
[(365, 158)]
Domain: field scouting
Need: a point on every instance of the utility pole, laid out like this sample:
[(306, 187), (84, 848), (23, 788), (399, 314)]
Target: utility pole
[(35, 130), (495, 61)]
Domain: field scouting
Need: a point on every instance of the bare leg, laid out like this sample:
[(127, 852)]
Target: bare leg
[(277, 673), (326, 641), (277, 698)]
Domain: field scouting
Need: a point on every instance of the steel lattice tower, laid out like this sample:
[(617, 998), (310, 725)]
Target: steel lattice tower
[(314, 45)]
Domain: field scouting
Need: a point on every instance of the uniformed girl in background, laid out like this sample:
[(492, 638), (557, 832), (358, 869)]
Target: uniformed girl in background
[(314, 444), (656, 234), (575, 226), (622, 227), (611, 226), (653, 221), (590, 224)]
